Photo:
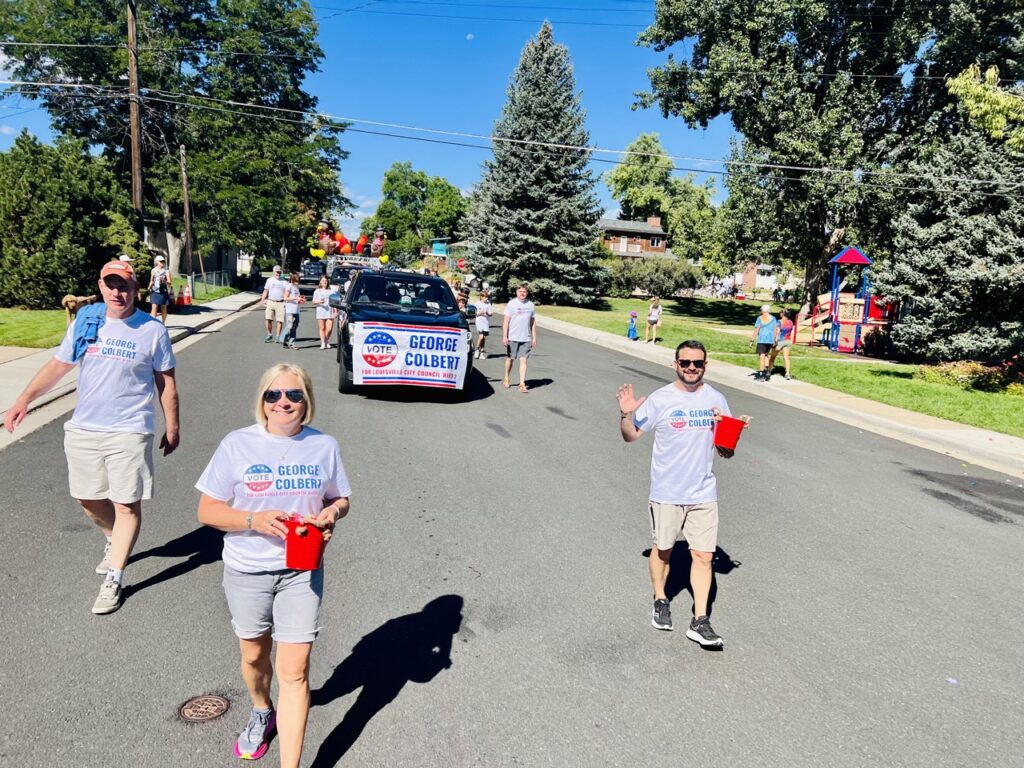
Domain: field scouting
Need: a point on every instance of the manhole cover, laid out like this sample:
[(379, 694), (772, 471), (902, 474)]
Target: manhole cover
[(202, 709)]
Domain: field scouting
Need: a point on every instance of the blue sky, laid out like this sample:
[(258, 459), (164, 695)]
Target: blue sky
[(417, 64)]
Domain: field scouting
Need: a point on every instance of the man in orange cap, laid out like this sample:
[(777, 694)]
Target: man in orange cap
[(125, 365)]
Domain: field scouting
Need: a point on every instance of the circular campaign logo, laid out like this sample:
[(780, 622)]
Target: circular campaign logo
[(677, 419), (258, 478), (379, 349)]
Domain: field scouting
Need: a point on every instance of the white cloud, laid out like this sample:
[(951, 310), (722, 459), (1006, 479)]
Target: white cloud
[(470, 36), (6, 130)]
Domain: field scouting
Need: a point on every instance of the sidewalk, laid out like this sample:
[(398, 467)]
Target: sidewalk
[(992, 450), (16, 369)]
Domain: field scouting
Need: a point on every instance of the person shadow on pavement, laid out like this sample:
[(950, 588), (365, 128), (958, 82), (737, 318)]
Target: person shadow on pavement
[(412, 648), (201, 546), (679, 571)]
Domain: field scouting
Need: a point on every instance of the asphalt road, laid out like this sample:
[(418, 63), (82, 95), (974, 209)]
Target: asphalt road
[(488, 603)]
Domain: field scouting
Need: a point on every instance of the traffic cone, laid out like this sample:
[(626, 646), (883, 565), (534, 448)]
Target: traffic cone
[(180, 300), (188, 296)]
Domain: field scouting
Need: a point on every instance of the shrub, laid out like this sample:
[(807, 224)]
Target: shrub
[(965, 375)]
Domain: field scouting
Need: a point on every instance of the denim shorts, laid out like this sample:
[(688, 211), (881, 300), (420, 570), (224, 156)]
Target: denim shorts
[(287, 602)]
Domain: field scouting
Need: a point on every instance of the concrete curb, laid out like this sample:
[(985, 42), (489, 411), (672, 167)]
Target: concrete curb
[(984, 448), (231, 305)]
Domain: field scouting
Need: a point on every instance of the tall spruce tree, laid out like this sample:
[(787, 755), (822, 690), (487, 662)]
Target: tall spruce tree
[(533, 216), (960, 277)]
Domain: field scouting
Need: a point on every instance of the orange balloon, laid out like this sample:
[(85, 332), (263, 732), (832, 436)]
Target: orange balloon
[(346, 248)]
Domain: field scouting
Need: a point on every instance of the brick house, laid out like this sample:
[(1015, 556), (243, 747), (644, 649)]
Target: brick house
[(634, 239)]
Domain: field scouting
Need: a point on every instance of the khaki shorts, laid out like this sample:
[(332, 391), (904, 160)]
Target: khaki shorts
[(109, 465), (783, 344), (274, 311), (697, 522)]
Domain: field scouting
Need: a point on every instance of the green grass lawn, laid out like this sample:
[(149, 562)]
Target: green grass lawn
[(36, 328), (893, 384)]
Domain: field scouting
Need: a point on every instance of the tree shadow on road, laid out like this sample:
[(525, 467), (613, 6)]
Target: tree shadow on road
[(412, 648), (201, 546), (679, 571)]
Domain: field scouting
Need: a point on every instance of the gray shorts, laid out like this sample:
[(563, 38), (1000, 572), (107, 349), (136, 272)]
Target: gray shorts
[(286, 601), (517, 349)]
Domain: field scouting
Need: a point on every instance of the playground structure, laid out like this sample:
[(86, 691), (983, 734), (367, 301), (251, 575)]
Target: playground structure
[(842, 320)]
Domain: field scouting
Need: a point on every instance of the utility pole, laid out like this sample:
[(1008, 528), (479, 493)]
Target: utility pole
[(135, 120), (188, 212)]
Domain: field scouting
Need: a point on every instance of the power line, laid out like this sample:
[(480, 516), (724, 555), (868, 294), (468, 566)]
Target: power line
[(599, 150), (501, 6), (550, 146)]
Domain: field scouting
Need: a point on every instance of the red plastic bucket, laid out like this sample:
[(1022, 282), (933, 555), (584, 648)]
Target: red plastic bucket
[(303, 553), (727, 432)]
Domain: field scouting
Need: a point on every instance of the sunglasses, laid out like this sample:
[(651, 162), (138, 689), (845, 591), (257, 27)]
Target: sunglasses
[(273, 395), (698, 364)]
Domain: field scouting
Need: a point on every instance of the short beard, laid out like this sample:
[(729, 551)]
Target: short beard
[(686, 383)]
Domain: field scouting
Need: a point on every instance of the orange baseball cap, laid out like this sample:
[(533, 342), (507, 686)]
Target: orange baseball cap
[(120, 268)]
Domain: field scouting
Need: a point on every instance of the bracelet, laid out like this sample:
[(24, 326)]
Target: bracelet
[(624, 414), (248, 521)]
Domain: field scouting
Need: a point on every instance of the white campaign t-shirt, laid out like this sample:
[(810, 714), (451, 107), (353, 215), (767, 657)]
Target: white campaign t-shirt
[(519, 314), (256, 471), (292, 292), (275, 288), (483, 316), (116, 386), (323, 311), (683, 424)]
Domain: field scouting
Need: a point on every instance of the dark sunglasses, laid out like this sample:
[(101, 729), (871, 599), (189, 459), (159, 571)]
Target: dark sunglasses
[(273, 395), (698, 364)]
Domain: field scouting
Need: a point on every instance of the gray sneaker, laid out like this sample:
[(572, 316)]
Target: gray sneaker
[(700, 631), (104, 565), (253, 742), (661, 615), (109, 598)]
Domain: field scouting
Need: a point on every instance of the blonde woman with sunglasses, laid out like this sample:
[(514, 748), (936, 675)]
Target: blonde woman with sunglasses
[(258, 477)]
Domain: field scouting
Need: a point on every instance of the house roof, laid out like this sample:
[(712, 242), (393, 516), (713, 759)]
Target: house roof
[(633, 227)]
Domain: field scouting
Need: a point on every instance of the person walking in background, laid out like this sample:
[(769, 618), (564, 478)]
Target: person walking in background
[(125, 365), (653, 320), (519, 334), (292, 300), (631, 332), (273, 300), (324, 312), (784, 342), (159, 289), (684, 495), (484, 311), (242, 494), (766, 331)]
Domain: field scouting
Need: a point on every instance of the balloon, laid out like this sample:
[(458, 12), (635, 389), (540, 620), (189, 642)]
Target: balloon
[(340, 239), (363, 239), (317, 252), (384, 259), (346, 248)]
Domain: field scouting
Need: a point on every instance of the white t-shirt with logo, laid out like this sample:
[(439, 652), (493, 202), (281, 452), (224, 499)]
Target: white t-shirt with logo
[(324, 311), (483, 316), (116, 385), (683, 424), (292, 292), (256, 471), (275, 288), (654, 314), (519, 314)]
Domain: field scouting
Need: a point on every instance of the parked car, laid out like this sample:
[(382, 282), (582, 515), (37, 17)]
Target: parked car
[(311, 272), (400, 328)]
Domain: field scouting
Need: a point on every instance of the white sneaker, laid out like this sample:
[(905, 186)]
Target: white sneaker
[(104, 565), (109, 598), (476, 354), (483, 354), (323, 345)]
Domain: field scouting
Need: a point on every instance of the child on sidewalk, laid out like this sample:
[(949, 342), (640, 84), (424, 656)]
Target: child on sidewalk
[(631, 333)]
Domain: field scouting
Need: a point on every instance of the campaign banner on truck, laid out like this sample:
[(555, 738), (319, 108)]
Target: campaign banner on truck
[(414, 355)]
